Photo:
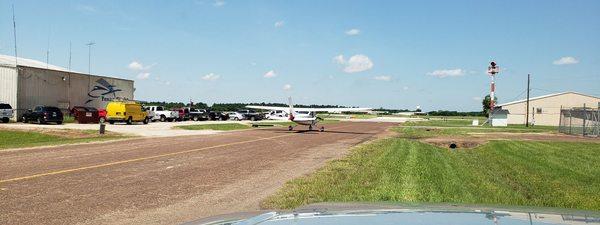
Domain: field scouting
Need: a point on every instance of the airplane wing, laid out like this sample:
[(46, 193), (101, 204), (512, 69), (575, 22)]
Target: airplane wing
[(330, 110)]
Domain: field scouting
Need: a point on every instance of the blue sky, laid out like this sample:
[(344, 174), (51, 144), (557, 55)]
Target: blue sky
[(391, 54)]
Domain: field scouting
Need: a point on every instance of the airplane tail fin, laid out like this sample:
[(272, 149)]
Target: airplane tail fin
[(292, 113)]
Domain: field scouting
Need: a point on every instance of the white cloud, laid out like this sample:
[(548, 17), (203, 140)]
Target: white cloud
[(211, 77), (270, 74), (135, 66), (86, 8), (339, 59), (477, 99), (356, 63), (287, 87), (143, 76), (405, 88), (352, 32), (167, 83), (383, 78), (279, 24), (219, 3), (567, 60), (447, 73)]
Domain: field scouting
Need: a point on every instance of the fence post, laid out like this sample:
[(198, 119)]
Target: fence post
[(560, 118), (584, 120), (571, 121)]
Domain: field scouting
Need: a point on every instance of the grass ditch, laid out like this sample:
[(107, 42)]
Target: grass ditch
[(402, 169)]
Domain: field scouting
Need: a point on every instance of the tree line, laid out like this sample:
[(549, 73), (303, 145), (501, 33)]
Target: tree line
[(238, 106)]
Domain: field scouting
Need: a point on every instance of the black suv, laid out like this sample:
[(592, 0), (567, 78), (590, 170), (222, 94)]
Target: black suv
[(43, 114), (250, 114)]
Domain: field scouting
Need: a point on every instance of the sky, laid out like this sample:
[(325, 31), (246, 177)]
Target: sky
[(391, 54)]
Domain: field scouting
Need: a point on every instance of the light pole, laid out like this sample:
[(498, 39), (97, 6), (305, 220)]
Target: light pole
[(90, 56)]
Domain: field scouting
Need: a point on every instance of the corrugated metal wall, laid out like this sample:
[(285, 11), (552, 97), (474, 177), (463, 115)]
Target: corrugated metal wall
[(65, 90), (8, 85)]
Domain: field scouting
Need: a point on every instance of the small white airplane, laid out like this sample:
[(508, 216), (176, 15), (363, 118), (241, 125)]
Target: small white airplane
[(303, 116)]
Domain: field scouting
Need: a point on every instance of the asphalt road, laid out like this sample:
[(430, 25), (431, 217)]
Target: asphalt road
[(164, 180)]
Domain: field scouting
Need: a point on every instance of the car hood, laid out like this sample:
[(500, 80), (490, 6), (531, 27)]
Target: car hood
[(323, 214)]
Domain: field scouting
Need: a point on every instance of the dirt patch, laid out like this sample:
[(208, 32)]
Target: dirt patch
[(455, 142)]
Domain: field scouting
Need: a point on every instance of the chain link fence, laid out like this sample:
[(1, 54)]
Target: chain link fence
[(583, 121)]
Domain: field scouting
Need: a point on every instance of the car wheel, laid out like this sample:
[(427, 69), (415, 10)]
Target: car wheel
[(59, 122), (5, 120), (163, 118), (39, 121), (129, 121), (24, 119), (146, 120), (111, 122), (253, 118)]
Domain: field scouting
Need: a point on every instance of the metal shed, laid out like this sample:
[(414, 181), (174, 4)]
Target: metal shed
[(32, 83)]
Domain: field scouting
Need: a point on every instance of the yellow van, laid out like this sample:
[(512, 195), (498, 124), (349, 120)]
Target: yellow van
[(126, 111)]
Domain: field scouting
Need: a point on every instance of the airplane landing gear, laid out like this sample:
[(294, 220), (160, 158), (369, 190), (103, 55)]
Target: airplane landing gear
[(290, 128), (322, 129)]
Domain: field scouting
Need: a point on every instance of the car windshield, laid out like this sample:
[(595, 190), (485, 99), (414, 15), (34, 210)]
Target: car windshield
[(5, 106), (51, 109)]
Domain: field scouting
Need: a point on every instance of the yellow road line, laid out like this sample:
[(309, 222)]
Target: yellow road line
[(140, 159), (136, 159)]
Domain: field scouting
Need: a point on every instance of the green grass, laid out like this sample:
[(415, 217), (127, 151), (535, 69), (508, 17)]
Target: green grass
[(69, 119), (526, 173), (220, 126), (20, 139)]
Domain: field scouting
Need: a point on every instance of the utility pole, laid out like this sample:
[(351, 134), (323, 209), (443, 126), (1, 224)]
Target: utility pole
[(527, 115), (70, 56), (90, 57), (15, 34)]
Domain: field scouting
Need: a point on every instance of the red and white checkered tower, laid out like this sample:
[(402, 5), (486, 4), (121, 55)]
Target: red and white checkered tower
[(493, 69)]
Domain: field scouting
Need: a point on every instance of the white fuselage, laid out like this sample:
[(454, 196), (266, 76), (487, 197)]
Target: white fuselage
[(305, 118)]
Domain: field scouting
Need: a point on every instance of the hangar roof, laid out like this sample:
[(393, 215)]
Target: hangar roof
[(7, 60), (544, 96)]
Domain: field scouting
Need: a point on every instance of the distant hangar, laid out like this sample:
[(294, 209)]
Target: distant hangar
[(32, 83), (545, 110)]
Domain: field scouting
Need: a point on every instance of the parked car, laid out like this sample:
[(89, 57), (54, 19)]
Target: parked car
[(43, 114), (184, 114), (214, 115), (126, 111), (85, 114), (162, 114), (235, 116), (197, 114), (276, 115), (6, 112), (250, 114)]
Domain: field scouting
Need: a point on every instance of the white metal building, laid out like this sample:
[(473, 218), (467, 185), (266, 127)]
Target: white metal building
[(545, 110), (32, 83)]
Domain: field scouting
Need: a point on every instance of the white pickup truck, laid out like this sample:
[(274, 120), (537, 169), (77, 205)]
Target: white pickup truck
[(6, 112), (162, 114)]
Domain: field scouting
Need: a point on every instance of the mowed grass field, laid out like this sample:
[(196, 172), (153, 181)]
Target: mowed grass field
[(20, 139), (503, 172)]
